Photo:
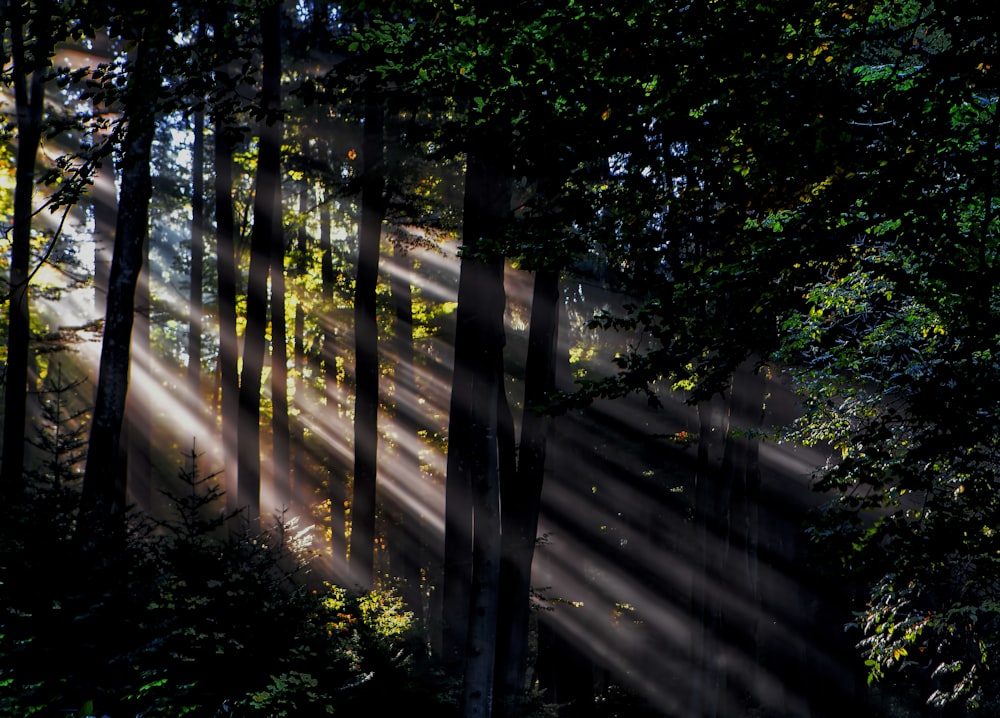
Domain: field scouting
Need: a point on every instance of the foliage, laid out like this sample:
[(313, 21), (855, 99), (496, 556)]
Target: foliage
[(134, 632)]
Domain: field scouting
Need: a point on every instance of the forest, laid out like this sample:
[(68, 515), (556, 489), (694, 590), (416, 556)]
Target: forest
[(518, 359)]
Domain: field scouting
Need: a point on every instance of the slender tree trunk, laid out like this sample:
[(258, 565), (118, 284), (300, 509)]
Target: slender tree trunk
[(336, 485), (138, 411), (105, 199), (472, 528), (299, 463), (103, 482), (229, 385), (522, 497), (197, 256), (279, 368), (405, 545), (261, 241), (708, 684), (225, 257), (362, 557), (28, 98), (742, 494)]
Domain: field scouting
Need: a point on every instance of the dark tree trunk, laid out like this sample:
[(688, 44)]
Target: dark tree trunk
[(281, 447), (229, 387), (405, 546), (336, 485), (262, 239), (105, 199), (362, 557), (104, 482), (197, 257), (709, 685), (28, 99), (138, 411), (299, 463), (225, 244), (472, 556), (740, 495), (522, 497)]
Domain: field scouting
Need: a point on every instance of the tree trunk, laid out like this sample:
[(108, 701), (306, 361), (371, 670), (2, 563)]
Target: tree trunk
[(298, 444), (336, 485), (522, 497), (472, 556), (709, 685), (225, 258), (138, 411), (229, 383), (743, 478), (105, 197), (197, 256), (406, 544), (261, 241), (28, 100), (362, 558), (279, 368), (103, 482)]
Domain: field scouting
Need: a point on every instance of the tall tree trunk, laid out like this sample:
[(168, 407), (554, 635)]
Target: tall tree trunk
[(708, 685), (405, 546), (138, 412), (522, 497), (197, 255), (262, 238), (28, 98), (229, 383), (105, 197), (279, 368), (103, 481), (362, 557), (336, 485), (472, 518), (225, 243), (742, 495), (299, 463)]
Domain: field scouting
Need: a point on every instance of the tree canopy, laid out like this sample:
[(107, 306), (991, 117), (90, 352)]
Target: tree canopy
[(793, 194)]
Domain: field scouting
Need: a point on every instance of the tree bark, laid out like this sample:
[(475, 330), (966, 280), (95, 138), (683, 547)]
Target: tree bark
[(709, 684), (472, 528), (336, 485), (28, 100), (104, 482), (229, 383), (298, 447), (280, 431), (522, 497), (138, 412), (226, 270), (362, 556), (195, 310), (105, 197), (406, 544), (261, 241)]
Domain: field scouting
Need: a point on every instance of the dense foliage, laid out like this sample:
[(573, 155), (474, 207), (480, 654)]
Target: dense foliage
[(799, 189), (182, 619)]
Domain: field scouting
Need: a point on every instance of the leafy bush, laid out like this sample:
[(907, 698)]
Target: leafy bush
[(186, 619)]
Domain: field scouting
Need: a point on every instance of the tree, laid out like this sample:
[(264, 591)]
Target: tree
[(226, 265), (197, 246), (266, 234), (522, 495), (362, 562), (104, 481), (29, 72), (895, 352)]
